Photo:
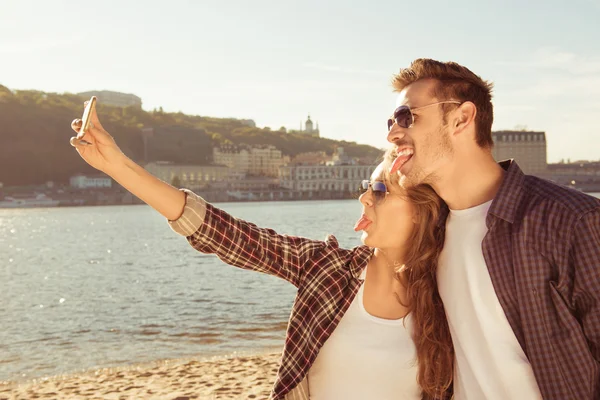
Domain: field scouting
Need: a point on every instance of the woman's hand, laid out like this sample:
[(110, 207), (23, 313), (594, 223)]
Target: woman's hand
[(99, 150), (97, 147)]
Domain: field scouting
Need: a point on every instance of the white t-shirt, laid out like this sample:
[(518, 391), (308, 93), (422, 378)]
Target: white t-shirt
[(490, 363), (366, 358)]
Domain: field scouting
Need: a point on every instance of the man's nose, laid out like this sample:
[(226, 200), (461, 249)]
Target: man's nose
[(395, 134)]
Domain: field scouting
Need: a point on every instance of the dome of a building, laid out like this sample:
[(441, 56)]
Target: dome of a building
[(308, 124)]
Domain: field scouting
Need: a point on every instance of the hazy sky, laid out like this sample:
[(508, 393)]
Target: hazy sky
[(275, 61)]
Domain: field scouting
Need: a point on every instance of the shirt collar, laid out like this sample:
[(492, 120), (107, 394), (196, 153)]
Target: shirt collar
[(509, 195)]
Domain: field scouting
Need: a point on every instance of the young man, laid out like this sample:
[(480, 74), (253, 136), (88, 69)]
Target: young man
[(520, 271)]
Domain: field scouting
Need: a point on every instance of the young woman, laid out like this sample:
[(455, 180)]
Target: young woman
[(367, 322)]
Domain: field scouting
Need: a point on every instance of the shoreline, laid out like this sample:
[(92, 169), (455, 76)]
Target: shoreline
[(207, 197), (233, 376)]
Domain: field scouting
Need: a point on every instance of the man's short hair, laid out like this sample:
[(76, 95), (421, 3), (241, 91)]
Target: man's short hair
[(454, 82)]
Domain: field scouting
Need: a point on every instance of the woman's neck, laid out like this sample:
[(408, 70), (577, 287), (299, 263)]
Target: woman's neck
[(387, 263)]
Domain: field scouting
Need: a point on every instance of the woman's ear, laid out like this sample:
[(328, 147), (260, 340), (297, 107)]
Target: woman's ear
[(415, 217)]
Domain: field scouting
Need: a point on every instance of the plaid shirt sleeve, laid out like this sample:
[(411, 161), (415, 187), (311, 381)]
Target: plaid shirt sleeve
[(585, 264), (242, 244)]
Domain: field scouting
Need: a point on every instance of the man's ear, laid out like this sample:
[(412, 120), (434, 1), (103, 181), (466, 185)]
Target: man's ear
[(464, 116)]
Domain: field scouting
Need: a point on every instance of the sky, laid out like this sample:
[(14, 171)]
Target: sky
[(276, 61)]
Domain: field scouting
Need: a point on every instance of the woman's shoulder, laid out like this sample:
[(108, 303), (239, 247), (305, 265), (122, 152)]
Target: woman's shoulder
[(335, 256), (332, 242)]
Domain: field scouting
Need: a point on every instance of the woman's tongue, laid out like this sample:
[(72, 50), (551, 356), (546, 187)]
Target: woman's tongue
[(399, 162), (362, 223)]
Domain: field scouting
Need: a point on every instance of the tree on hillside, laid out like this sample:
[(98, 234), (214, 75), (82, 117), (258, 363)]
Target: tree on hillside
[(34, 122)]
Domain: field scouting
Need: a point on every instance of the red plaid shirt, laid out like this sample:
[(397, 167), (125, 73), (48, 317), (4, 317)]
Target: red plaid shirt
[(327, 278), (542, 250)]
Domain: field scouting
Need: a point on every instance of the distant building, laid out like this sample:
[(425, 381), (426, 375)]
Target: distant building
[(81, 181), (583, 175), (189, 176), (256, 183), (527, 148), (232, 156), (256, 160), (311, 158), (248, 122), (333, 178), (114, 98), (576, 168), (309, 128), (265, 161), (341, 158)]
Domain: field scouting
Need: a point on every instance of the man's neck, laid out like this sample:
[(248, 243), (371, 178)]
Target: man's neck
[(473, 180)]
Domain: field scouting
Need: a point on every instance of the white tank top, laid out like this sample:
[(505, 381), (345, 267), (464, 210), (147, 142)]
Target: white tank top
[(366, 358)]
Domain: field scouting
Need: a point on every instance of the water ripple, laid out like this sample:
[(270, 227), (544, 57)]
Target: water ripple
[(152, 297)]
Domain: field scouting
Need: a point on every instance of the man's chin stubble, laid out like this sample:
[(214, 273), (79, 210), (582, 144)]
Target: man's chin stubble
[(411, 180)]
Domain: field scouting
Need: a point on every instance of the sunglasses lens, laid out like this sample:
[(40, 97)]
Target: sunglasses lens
[(390, 123), (379, 187), (379, 190), (403, 117)]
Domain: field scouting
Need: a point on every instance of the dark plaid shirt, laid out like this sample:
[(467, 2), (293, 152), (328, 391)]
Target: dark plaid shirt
[(542, 251), (327, 278)]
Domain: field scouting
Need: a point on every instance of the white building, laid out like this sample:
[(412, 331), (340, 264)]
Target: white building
[(90, 182), (258, 161), (336, 178), (309, 128), (234, 157), (265, 161)]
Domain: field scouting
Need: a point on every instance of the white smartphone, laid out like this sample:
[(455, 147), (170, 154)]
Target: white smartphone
[(86, 120)]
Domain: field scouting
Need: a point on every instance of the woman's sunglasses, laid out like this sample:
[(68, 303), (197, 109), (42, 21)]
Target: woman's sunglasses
[(404, 118), (378, 189)]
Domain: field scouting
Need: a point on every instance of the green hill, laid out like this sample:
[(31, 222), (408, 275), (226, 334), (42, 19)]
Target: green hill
[(35, 132)]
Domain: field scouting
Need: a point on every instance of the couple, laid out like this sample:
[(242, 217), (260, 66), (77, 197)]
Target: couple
[(494, 289)]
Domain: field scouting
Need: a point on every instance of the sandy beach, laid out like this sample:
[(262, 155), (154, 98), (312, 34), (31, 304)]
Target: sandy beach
[(234, 377)]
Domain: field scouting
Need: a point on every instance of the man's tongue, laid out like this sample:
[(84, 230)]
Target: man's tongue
[(399, 162), (362, 223)]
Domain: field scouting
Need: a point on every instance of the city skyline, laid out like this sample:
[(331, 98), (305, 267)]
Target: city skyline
[(275, 63)]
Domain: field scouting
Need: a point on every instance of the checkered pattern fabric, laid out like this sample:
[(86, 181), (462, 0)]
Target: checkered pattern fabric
[(327, 278), (542, 250)]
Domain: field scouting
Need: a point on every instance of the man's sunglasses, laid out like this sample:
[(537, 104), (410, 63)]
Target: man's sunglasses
[(377, 187), (404, 118)]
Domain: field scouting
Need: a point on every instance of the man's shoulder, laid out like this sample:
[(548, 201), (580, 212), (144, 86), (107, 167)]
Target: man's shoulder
[(558, 198)]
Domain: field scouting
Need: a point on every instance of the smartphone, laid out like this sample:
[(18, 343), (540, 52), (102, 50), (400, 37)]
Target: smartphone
[(86, 119)]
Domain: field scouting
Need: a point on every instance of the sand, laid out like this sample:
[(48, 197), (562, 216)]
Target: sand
[(233, 377)]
